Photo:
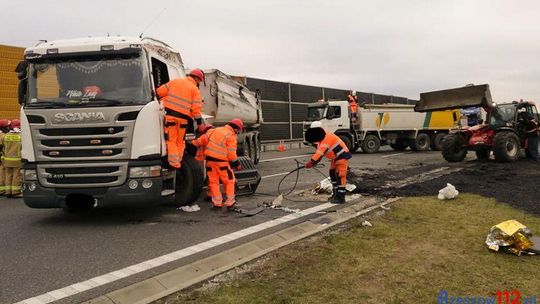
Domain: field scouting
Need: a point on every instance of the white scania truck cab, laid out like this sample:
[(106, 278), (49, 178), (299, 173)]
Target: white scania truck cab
[(92, 126)]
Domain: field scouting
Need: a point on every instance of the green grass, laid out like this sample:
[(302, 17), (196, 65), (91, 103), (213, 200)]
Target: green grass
[(413, 251)]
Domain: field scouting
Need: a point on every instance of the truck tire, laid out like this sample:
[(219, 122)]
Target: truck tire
[(436, 141), (252, 148), (506, 146), (453, 148), (257, 149), (483, 154), (189, 181), (347, 141), (371, 144), (421, 142), (246, 147), (400, 145)]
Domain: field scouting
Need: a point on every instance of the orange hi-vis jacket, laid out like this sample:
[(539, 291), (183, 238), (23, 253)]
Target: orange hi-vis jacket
[(353, 104), (332, 147), (181, 98), (220, 144)]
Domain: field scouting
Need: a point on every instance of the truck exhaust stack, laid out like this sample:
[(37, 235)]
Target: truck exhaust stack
[(469, 96)]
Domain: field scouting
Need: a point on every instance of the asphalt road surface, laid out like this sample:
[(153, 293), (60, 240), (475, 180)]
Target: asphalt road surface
[(45, 250)]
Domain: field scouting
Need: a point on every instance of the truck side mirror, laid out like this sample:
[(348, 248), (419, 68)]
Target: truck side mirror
[(22, 75)]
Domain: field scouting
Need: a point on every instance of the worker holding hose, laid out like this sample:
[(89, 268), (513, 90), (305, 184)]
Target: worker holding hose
[(331, 146)]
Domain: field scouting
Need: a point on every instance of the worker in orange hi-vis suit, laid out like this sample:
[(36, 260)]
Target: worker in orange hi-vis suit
[(353, 104), (183, 103), (220, 154), (331, 146)]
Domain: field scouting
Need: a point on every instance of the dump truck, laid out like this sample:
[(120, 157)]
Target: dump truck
[(374, 125), (105, 146), (503, 133)]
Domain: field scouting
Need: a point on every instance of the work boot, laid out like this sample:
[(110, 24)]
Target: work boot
[(334, 193), (340, 196)]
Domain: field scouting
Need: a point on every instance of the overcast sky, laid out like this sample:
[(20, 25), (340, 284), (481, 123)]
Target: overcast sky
[(400, 48)]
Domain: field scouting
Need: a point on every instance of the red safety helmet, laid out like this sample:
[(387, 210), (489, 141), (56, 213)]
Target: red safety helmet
[(197, 73), (16, 123), (237, 124), (5, 123)]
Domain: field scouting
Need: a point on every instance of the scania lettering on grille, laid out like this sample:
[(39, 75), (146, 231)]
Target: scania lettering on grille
[(79, 117)]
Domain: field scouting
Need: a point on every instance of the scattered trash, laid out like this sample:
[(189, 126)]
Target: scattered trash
[(193, 208), (325, 187), (448, 192), (367, 224), (512, 237), (248, 212), (277, 202)]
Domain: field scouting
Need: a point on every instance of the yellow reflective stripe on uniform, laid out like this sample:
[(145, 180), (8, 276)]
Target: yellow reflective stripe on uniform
[(11, 158), (196, 101), (180, 98), (332, 148), (216, 151), (324, 145), (178, 104), (319, 153)]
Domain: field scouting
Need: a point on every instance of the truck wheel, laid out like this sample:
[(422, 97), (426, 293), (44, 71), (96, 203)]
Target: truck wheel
[(421, 142), (400, 145), (252, 148), (436, 141), (189, 181), (506, 147), (257, 149), (246, 147), (453, 148), (371, 144), (347, 141)]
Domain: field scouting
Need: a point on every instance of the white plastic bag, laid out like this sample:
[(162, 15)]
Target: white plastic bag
[(448, 192), (193, 208)]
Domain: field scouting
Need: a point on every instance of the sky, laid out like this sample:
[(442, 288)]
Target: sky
[(399, 48)]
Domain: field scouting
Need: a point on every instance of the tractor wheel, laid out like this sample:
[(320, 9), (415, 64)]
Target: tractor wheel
[(421, 142), (371, 144), (453, 148), (483, 154), (436, 141), (506, 146), (400, 145)]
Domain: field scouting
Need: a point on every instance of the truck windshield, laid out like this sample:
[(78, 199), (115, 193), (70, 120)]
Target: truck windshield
[(501, 115), (104, 80), (316, 113)]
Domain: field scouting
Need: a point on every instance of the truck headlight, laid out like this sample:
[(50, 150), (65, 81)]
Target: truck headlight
[(151, 171), (29, 175)]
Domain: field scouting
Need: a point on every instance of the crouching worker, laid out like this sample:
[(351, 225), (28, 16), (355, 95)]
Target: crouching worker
[(333, 148), (220, 153)]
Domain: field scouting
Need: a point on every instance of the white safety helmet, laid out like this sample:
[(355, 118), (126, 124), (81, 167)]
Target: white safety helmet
[(316, 124)]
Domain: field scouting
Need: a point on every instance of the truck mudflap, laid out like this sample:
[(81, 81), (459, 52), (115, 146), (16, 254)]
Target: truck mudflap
[(247, 179), (469, 96)]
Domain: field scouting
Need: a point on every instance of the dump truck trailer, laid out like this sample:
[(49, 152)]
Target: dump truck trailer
[(92, 125), (374, 125)]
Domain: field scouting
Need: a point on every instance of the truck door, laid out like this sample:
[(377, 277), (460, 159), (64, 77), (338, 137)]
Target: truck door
[(335, 119)]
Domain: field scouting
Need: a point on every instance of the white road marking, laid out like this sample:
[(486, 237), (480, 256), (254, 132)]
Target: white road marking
[(274, 175), (282, 158), (395, 154), (76, 288)]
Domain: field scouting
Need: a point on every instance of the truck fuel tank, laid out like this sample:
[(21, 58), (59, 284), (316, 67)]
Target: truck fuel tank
[(468, 96)]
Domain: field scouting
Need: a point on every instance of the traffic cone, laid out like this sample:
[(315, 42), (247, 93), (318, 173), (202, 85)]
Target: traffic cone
[(281, 147)]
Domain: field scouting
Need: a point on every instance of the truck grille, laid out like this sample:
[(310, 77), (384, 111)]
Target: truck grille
[(79, 144), (82, 175)]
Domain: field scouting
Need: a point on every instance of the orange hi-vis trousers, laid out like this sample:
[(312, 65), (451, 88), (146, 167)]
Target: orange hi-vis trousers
[(338, 168), (216, 172), (175, 133)]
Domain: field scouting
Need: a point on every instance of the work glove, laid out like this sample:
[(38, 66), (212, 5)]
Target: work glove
[(309, 164), (239, 167), (200, 128)]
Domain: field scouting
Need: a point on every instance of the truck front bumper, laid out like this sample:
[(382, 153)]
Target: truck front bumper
[(37, 196)]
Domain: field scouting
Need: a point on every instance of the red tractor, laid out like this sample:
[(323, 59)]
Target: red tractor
[(503, 132)]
